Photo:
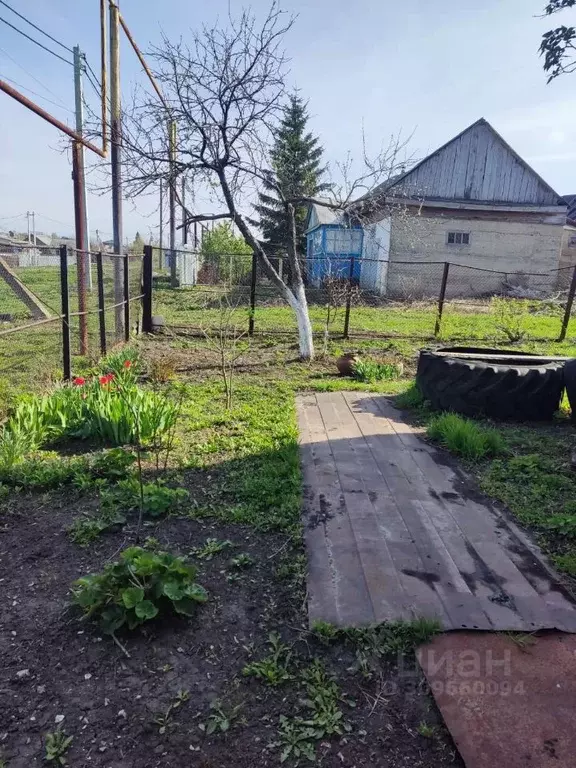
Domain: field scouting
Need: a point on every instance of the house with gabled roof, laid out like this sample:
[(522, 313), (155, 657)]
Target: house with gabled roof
[(473, 202)]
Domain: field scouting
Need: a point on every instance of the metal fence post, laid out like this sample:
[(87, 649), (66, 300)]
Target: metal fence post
[(126, 298), (65, 313), (252, 294), (147, 290), (568, 310), (101, 307), (348, 299), (441, 298)]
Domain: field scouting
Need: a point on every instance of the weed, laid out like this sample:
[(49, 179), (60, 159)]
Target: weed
[(211, 548), (564, 525), (113, 465), (523, 641), (465, 437), (155, 499), (325, 631), (163, 369), (411, 399), (322, 700), (44, 470), (392, 638), (242, 561), (274, 668), (85, 530), (292, 568), (425, 730), (164, 719), (371, 370), (509, 315), (137, 588), (57, 744), (296, 739), (566, 563), (220, 719)]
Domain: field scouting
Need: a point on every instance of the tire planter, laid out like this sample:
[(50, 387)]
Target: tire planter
[(506, 389)]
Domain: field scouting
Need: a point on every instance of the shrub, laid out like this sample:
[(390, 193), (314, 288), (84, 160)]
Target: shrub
[(464, 437), (139, 587), (370, 370), (509, 315)]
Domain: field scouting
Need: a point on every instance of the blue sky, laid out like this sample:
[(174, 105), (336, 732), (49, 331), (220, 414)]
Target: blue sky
[(427, 69)]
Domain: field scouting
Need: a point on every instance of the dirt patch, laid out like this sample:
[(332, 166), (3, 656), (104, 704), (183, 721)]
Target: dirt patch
[(118, 709)]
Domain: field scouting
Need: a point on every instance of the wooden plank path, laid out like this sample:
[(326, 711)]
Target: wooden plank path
[(393, 532)]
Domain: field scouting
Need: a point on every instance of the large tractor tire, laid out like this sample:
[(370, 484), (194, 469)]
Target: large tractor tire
[(470, 381)]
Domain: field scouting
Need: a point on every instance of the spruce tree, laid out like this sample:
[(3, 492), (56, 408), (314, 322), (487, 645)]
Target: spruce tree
[(296, 159)]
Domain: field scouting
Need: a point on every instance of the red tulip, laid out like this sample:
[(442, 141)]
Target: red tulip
[(127, 363), (103, 380), (79, 381)]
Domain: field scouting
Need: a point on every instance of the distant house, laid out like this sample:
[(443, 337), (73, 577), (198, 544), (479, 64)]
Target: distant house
[(473, 202)]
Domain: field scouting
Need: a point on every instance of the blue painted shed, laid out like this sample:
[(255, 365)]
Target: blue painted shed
[(330, 245)]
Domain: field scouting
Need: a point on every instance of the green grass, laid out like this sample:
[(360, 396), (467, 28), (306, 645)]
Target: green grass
[(465, 437)]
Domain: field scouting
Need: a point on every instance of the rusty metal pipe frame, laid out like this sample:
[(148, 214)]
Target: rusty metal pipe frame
[(26, 102)]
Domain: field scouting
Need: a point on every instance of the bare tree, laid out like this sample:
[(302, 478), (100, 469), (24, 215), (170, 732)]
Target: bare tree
[(225, 91)]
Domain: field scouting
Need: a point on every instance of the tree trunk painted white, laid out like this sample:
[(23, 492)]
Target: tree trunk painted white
[(299, 304)]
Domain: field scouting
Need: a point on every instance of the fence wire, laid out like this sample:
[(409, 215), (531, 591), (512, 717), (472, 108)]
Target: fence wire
[(365, 297), (32, 327)]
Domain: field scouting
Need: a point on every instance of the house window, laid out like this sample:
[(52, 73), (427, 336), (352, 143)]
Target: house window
[(458, 238)]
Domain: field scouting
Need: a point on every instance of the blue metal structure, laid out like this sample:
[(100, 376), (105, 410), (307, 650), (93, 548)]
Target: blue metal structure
[(329, 249)]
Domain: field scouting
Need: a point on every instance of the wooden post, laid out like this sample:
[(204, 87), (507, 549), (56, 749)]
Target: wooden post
[(101, 307), (126, 298), (65, 313), (252, 295), (441, 298), (348, 299), (568, 310), (147, 290)]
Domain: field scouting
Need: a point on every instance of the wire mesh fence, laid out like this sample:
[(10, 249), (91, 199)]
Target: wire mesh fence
[(365, 297), (58, 303)]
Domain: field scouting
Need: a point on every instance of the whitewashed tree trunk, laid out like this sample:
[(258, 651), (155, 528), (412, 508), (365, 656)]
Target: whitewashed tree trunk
[(299, 304)]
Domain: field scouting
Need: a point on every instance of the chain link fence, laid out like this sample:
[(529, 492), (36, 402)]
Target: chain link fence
[(58, 305), (348, 296)]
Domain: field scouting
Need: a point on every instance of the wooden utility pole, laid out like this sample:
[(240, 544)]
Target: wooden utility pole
[(161, 257), (79, 222), (116, 161), (79, 66)]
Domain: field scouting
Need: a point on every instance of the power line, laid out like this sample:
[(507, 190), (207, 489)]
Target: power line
[(38, 95), (32, 40), (36, 27), (94, 75), (13, 60)]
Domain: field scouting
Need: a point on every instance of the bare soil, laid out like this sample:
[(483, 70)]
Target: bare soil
[(57, 669)]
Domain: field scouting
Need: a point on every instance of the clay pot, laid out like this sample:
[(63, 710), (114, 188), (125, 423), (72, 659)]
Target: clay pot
[(345, 363)]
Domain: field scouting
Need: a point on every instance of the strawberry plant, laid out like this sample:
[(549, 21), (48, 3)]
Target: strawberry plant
[(139, 587), (154, 498)]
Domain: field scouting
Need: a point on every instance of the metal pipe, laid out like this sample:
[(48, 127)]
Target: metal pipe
[(104, 74), (116, 161), (78, 179), (48, 117), (141, 58)]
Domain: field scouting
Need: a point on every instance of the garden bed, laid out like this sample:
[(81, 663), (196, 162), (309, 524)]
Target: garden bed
[(243, 681)]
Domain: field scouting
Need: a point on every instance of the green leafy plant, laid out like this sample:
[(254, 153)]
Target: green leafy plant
[(274, 668), (43, 469), (510, 316), (426, 730), (84, 530), (322, 700), (137, 588), (57, 744), (242, 561), (164, 720), (296, 739), (371, 370), (465, 437), (210, 548), (220, 719), (113, 464), (394, 637), (325, 631), (411, 399), (156, 499), (563, 525)]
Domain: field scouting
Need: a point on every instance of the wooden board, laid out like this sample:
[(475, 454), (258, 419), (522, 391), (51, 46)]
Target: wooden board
[(391, 532)]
